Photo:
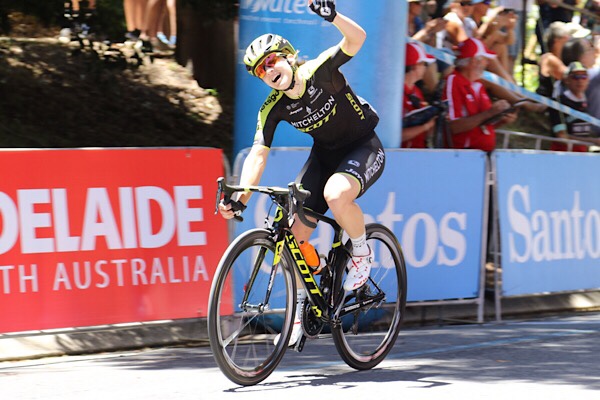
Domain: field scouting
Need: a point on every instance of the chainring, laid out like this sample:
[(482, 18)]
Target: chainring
[(311, 324)]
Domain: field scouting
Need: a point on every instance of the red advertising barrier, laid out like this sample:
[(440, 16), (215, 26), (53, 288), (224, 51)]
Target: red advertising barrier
[(104, 236)]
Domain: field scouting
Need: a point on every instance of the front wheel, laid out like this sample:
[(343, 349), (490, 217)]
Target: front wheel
[(363, 337), (251, 302)]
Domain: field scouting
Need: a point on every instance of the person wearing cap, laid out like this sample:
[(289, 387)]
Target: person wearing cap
[(565, 126), (416, 63), (551, 66), (469, 106), (573, 49)]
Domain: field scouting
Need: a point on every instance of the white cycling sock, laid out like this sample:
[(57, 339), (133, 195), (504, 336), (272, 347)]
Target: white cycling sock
[(359, 246), (300, 297)]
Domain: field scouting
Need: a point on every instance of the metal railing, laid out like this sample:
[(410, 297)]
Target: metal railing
[(539, 139)]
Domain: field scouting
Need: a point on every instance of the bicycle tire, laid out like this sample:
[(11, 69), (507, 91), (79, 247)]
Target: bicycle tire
[(242, 341), (365, 337)]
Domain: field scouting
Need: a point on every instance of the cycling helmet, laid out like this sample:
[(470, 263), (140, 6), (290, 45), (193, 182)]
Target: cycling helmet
[(262, 46)]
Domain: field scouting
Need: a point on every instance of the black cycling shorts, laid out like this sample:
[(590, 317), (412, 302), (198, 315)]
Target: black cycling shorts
[(364, 160)]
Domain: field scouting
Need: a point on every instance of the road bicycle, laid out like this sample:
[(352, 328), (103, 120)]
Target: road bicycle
[(253, 295)]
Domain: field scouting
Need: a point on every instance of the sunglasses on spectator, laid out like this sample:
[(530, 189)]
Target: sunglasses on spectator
[(465, 3), (268, 62), (578, 77)]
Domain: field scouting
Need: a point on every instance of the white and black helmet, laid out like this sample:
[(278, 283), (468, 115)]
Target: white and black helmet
[(262, 46)]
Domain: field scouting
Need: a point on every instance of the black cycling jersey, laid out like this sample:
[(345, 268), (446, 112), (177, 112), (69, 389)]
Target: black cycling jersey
[(569, 123), (328, 109)]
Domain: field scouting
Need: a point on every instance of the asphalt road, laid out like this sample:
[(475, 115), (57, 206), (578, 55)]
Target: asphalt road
[(552, 358)]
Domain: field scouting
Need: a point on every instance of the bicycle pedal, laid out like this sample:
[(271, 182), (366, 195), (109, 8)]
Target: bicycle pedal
[(300, 345)]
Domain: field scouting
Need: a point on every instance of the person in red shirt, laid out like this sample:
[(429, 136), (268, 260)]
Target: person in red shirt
[(416, 63), (470, 109)]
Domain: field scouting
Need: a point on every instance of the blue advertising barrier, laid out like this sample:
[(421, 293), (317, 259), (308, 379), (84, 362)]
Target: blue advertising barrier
[(549, 215), (376, 73), (433, 200)]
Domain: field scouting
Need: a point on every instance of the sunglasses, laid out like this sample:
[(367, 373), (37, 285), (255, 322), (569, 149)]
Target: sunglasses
[(268, 62), (578, 77), (465, 3)]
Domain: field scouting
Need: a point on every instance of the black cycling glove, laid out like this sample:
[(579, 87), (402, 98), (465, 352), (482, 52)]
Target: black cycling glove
[(324, 8), (236, 206)]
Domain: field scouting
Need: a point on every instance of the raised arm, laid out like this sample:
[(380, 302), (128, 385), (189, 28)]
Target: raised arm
[(354, 34)]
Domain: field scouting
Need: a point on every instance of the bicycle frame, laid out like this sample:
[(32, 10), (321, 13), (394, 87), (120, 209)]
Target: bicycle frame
[(320, 305), (328, 306)]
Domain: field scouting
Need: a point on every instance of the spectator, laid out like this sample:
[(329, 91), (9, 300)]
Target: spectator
[(517, 6), (479, 13), (551, 11), (87, 6), (574, 49), (458, 26), (78, 17), (171, 10), (551, 66), (423, 31), (566, 126), (592, 6), (593, 96), (135, 13), (470, 110), (416, 64), (497, 31), (578, 49), (154, 19)]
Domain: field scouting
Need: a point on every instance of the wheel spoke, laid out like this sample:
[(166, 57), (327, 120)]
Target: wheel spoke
[(234, 334), (369, 320), (249, 304)]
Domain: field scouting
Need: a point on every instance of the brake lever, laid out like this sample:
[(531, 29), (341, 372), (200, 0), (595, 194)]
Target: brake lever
[(237, 214), (219, 193)]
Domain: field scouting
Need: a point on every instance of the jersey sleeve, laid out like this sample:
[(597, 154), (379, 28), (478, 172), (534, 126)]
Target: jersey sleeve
[(337, 57), (326, 68), (267, 120)]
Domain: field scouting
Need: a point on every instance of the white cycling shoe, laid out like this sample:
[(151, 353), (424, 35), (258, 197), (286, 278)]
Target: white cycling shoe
[(294, 337), (358, 272), (297, 330)]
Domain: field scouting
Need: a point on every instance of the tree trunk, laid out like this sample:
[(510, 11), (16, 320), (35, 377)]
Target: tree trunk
[(209, 47)]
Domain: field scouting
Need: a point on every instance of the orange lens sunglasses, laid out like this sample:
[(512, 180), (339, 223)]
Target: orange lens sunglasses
[(268, 62)]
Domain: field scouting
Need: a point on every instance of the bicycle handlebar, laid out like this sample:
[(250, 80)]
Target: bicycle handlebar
[(294, 191), (300, 194)]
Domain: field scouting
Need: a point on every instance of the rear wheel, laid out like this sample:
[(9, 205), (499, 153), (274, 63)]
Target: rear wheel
[(363, 337), (244, 317)]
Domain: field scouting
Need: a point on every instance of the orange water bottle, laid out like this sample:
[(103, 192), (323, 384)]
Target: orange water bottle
[(310, 254)]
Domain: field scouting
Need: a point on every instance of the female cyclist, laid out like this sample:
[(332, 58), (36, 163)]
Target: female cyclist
[(346, 156)]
